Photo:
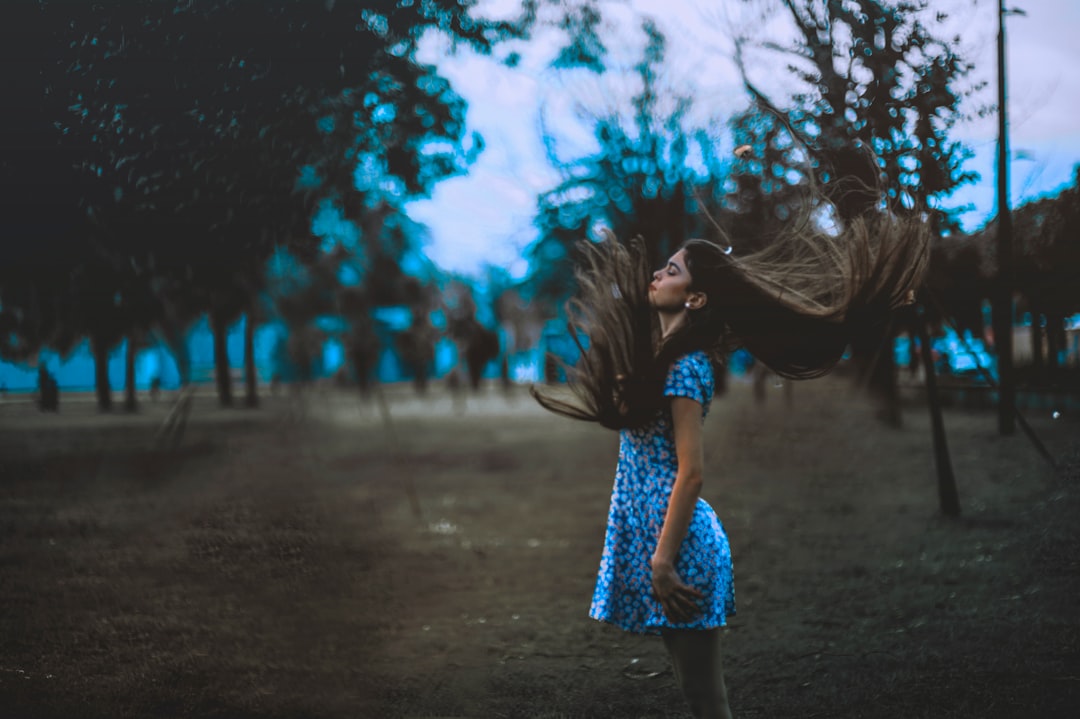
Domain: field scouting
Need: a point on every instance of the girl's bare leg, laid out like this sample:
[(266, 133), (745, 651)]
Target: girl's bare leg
[(695, 656)]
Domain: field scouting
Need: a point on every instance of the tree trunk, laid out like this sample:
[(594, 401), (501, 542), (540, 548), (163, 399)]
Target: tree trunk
[(1036, 346), (362, 364), (1055, 339), (250, 379), (130, 400), (178, 346), (948, 497), (504, 374), (100, 351), (874, 351), (221, 359)]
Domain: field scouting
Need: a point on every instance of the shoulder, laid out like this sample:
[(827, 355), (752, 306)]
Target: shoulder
[(698, 361), (691, 375)]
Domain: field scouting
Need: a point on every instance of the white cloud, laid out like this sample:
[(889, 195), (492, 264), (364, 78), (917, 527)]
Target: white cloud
[(1043, 101), (485, 217)]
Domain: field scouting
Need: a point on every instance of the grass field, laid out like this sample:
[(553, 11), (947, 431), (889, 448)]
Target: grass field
[(321, 558)]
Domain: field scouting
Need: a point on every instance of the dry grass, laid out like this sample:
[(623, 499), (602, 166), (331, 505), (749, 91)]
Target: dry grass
[(274, 566)]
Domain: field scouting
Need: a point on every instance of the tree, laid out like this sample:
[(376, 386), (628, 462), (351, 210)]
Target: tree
[(302, 294), (186, 125), (640, 181), (881, 96), (872, 124), (476, 344), (39, 218), (416, 345), (1046, 258)]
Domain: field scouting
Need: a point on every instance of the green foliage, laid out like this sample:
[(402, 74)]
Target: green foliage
[(640, 181), (159, 146), (881, 97), (585, 48), (871, 123), (1047, 250)]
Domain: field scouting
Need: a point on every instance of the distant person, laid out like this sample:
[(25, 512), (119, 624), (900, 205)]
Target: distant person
[(48, 391), (551, 368), (648, 371), (155, 389), (456, 387), (760, 374), (481, 347), (505, 383)]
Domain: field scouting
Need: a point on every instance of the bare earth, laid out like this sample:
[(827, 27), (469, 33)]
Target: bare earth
[(310, 559)]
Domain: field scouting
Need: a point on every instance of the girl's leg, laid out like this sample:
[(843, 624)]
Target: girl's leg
[(699, 671)]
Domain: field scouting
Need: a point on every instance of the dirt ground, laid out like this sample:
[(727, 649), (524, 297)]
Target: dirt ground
[(311, 559)]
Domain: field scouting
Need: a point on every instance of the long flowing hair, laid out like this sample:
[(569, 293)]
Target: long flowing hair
[(794, 305)]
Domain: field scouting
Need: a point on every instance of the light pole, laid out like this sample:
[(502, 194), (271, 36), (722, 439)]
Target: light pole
[(1003, 299)]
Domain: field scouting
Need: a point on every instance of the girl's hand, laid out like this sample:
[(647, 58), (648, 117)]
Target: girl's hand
[(679, 600)]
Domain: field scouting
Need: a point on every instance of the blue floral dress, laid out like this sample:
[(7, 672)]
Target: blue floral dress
[(643, 483)]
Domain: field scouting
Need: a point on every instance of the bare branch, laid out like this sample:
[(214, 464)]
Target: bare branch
[(802, 52)]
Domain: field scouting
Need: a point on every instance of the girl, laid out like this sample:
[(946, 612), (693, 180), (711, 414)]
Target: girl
[(648, 371)]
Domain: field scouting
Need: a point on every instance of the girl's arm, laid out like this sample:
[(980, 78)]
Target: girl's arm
[(677, 598)]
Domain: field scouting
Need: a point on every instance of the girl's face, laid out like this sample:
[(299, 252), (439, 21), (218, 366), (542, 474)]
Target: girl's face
[(669, 290)]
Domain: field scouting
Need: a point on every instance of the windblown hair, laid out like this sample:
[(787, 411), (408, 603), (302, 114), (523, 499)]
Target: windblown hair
[(794, 305), (615, 330)]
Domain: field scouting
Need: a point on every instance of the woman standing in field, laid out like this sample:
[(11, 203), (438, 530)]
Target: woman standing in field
[(653, 343)]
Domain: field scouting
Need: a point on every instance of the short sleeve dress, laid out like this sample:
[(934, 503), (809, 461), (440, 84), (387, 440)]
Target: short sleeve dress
[(643, 481)]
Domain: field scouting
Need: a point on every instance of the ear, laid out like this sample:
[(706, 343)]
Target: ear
[(696, 300)]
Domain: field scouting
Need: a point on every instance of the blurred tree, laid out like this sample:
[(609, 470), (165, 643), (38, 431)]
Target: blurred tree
[(338, 293), (640, 181), (872, 124), (881, 97), (110, 300), (1047, 266), (302, 294), (182, 129), (763, 194), (959, 279), (476, 344), (39, 218), (581, 24), (416, 345), (1059, 289)]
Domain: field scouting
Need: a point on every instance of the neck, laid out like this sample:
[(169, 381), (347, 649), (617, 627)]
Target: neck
[(671, 321)]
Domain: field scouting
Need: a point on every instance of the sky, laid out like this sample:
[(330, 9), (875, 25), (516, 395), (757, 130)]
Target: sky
[(485, 217)]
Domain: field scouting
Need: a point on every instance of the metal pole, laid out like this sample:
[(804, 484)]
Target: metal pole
[(1003, 304)]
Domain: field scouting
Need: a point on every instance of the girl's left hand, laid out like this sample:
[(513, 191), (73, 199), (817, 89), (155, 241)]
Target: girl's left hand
[(679, 600)]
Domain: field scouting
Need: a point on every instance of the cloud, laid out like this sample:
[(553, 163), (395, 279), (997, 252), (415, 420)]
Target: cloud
[(486, 216)]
